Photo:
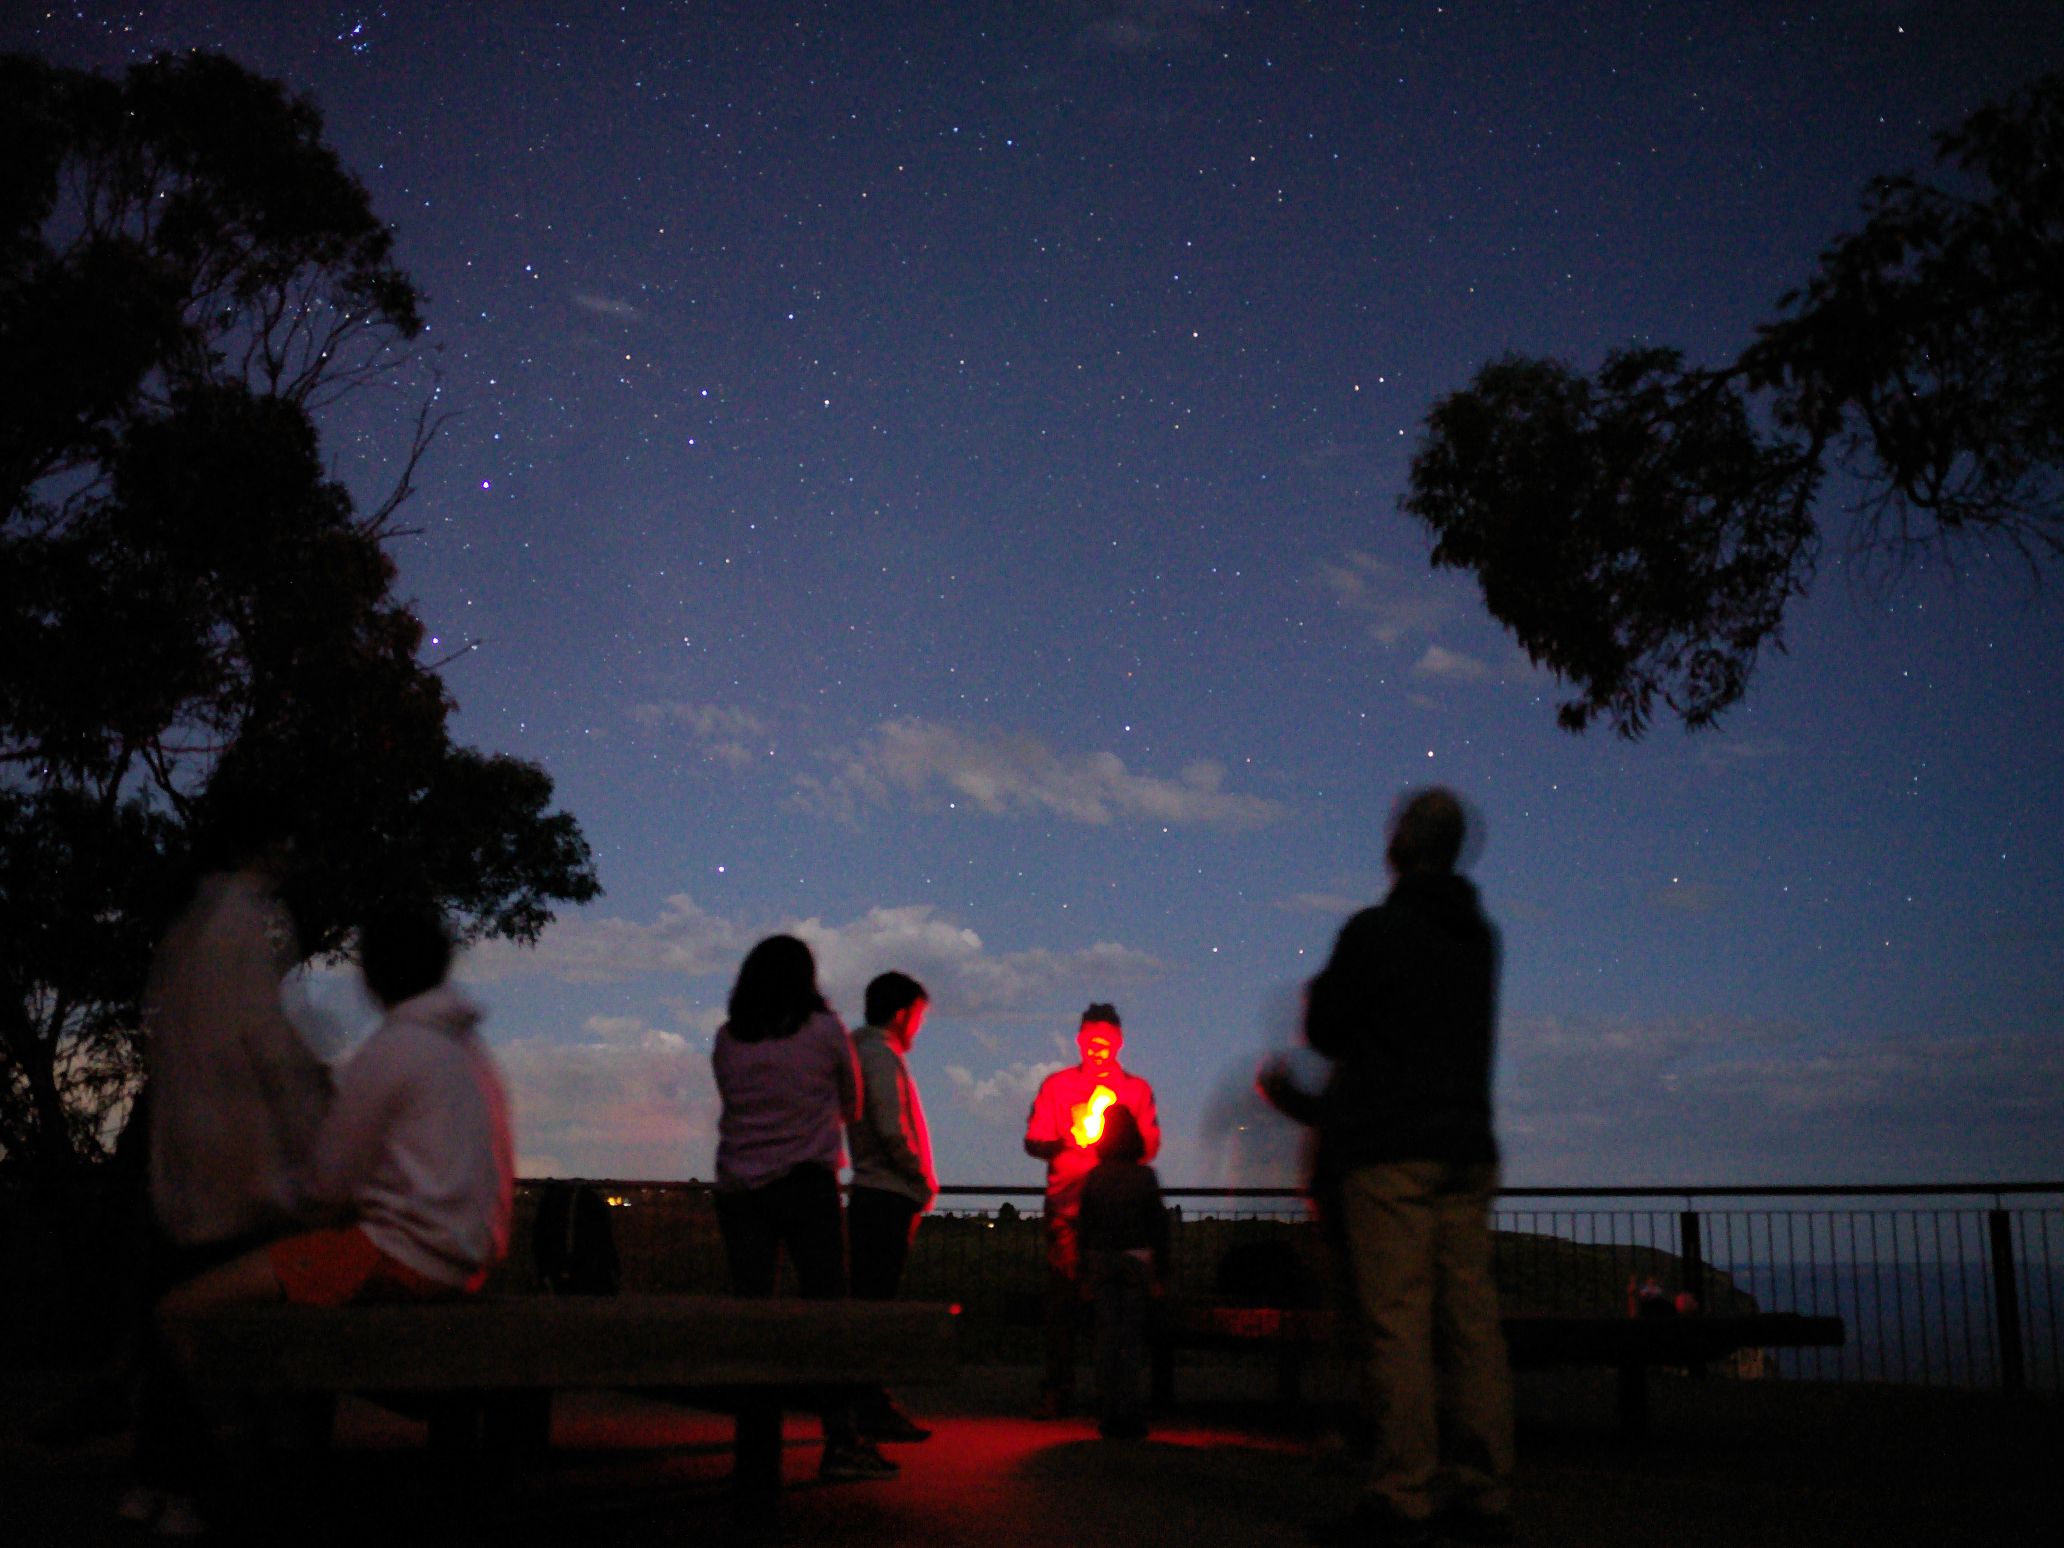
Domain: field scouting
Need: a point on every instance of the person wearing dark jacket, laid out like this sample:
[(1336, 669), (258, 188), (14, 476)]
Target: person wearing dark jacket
[(1123, 1232), (1406, 1008)]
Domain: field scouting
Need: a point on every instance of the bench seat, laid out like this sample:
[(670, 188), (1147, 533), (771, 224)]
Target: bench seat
[(1630, 1345), (563, 1343)]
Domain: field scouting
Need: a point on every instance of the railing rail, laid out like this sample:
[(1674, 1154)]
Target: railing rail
[(1946, 1283)]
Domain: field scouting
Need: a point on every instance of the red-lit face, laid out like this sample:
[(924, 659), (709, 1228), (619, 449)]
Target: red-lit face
[(904, 1026), (1099, 1042)]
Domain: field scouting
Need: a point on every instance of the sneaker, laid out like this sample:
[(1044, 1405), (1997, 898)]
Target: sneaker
[(1052, 1405), (854, 1462), (140, 1504), (891, 1424), (1469, 1524), (1373, 1523), (181, 1518)]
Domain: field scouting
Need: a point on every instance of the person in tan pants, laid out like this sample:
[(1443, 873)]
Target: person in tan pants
[(1406, 1008)]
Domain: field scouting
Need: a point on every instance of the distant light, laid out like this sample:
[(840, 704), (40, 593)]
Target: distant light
[(485, 484)]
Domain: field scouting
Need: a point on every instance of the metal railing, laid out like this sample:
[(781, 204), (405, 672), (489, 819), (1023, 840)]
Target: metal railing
[(1958, 1284), (1941, 1284)]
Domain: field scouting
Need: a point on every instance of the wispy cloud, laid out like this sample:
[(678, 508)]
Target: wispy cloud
[(1002, 1096), (1451, 666), (1151, 26), (625, 1099), (685, 940), (1000, 773), (964, 975), (1395, 605), (1322, 903), (1721, 754), (734, 737), (607, 306), (1731, 1101)]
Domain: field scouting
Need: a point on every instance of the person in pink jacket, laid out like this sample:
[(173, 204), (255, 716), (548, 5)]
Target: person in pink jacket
[(413, 1168)]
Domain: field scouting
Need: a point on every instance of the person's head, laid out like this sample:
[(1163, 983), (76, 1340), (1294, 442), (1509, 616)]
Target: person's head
[(1122, 1140), (897, 1003), (245, 830), (776, 991), (1427, 828), (1100, 1036), (403, 951)]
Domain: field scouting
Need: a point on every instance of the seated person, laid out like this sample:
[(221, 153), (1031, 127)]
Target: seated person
[(1124, 1245), (414, 1160)]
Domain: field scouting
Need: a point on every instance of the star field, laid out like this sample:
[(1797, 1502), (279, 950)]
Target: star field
[(927, 476)]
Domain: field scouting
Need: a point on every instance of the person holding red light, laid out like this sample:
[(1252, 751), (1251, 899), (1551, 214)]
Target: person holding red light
[(1066, 1121)]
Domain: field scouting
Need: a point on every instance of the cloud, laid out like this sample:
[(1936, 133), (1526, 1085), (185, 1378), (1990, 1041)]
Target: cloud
[(579, 948), (1451, 666), (1003, 1096), (1739, 1102), (625, 1100), (607, 306), (735, 738), (1322, 903), (1362, 583), (1152, 26), (964, 976), (1001, 773), (1721, 755), (1685, 897)]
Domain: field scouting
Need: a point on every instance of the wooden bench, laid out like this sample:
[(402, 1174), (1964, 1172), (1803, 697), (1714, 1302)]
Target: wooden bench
[(497, 1361), (1630, 1345)]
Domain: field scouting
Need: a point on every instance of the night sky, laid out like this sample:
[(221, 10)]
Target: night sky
[(925, 476)]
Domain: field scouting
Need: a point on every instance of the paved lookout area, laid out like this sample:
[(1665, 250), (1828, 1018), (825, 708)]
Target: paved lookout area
[(1727, 1463)]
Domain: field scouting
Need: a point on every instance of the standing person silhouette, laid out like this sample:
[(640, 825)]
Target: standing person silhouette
[(893, 1180), (1066, 1121), (1406, 1008), (789, 1083)]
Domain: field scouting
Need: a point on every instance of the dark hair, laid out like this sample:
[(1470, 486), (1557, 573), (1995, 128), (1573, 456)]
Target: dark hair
[(776, 991), (890, 993), (404, 951), (1121, 1139), (1099, 1010), (1426, 831)]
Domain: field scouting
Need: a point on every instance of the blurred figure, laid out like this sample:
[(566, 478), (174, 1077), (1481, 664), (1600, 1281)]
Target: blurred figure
[(893, 1181), (1406, 1008), (1066, 1121), (414, 1162), (233, 1100), (1248, 1143), (788, 1081), (1124, 1240)]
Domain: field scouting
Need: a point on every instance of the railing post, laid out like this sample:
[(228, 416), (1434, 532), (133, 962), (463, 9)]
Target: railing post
[(1692, 1253), (2006, 1302)]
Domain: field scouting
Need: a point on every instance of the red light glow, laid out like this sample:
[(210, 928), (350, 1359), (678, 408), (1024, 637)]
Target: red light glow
[(1088, 1127)]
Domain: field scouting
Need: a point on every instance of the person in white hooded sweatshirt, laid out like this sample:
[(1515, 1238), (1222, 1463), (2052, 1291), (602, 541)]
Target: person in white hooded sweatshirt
[(414, 1161)]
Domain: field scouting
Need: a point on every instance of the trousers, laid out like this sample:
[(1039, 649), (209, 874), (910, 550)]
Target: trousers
[(1436, 1381)]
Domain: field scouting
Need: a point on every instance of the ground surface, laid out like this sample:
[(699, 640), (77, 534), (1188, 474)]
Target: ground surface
[(1734, 1464)]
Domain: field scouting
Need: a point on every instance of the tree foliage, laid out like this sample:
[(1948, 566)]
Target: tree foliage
[(1642, 529), (193, 615)]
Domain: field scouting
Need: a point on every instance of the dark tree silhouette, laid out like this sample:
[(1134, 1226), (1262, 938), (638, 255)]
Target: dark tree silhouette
[(1641, 530), (193, 615)]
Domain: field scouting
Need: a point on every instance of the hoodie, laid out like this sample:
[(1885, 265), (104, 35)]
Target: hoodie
[(1407, 1009), (417, 1145)]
